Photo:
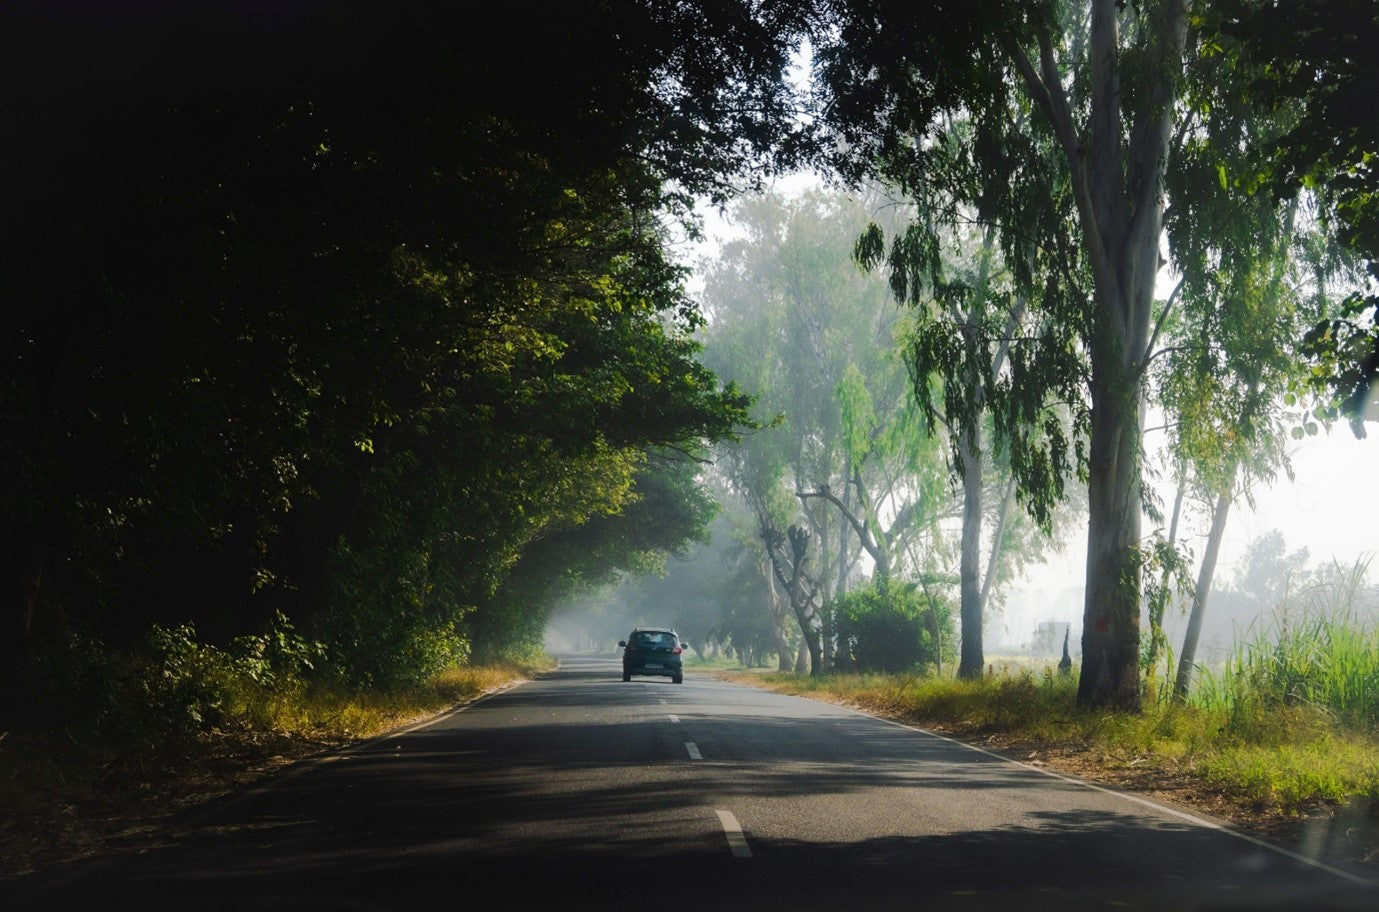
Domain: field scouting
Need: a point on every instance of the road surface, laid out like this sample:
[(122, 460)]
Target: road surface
[(579, 791)]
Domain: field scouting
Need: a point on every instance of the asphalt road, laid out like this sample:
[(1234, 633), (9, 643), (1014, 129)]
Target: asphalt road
[(579, 791)]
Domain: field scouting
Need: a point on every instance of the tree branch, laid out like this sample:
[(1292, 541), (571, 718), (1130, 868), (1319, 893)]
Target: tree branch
[(683, 451), (1013, 320), (863, 533), (1148, 354)]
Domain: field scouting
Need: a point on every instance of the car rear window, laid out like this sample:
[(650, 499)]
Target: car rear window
[(656, 639)]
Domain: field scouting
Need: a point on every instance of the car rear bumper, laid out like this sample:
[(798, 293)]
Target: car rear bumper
[(664, 670)]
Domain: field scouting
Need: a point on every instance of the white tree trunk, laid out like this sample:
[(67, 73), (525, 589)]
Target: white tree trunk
[(1188, 657)]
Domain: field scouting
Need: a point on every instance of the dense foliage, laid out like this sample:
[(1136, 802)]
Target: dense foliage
[(1107, 148), (1314, 60), (901, 628), (358, 313)]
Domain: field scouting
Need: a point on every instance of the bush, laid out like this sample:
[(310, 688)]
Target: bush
[(384, 651), (894, 629), (160, 696)]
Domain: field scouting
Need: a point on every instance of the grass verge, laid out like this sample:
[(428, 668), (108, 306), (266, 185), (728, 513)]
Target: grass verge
[(1286, 772)]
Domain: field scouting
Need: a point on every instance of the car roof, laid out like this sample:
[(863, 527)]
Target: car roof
[(655, 630)]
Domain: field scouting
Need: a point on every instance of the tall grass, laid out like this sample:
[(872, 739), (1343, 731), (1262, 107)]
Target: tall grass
[(1328, 663), (1324, 658)]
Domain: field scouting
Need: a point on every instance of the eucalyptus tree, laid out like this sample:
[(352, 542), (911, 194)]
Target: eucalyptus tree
[(792, 318), (741, 326), (1220, 382), (887, 491), (891, 492), (1083, 100), (750, 473), (947, 268), (1252, 276)]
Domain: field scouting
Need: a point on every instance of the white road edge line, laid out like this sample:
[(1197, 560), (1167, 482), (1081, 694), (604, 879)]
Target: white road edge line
[(674, 718), (733, 830), (1189, 818), (693, 751)]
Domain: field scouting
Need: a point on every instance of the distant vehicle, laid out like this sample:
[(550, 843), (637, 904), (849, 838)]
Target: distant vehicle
[(652, 651)]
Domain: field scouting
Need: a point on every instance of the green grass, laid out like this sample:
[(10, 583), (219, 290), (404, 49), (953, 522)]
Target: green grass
[(1327, 662), (1329, 769), (1268, 753), (718, 662)]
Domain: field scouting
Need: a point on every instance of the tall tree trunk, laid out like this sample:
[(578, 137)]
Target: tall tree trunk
[(782, 652), (794, 557), (997, 539), (937, 633), (840, 586), (822, 529), (973, 659), (782, 643), (1118, 188), (1159, 604), (840, 583), (1188, 657), (799, 553), (1111, 612)]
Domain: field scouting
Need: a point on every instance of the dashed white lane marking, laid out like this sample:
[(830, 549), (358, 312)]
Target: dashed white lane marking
[(674, 718), (663, 702), (693, 751), (733, 830)]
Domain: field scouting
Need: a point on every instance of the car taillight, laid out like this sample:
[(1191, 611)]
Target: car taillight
[(677, 650)]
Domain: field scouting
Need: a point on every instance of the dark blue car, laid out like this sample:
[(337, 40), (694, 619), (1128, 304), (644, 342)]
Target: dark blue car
[(652, 651)]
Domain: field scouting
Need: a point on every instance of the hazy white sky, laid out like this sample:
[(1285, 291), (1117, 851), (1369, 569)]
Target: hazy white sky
[(1331, 508), (1332, 505)]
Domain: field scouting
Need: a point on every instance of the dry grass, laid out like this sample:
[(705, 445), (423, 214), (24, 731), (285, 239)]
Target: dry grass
[(64, 797)]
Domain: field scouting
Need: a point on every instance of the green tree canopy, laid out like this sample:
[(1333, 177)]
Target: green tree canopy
[(1314, 61), (1055, 124), (354, 309)]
